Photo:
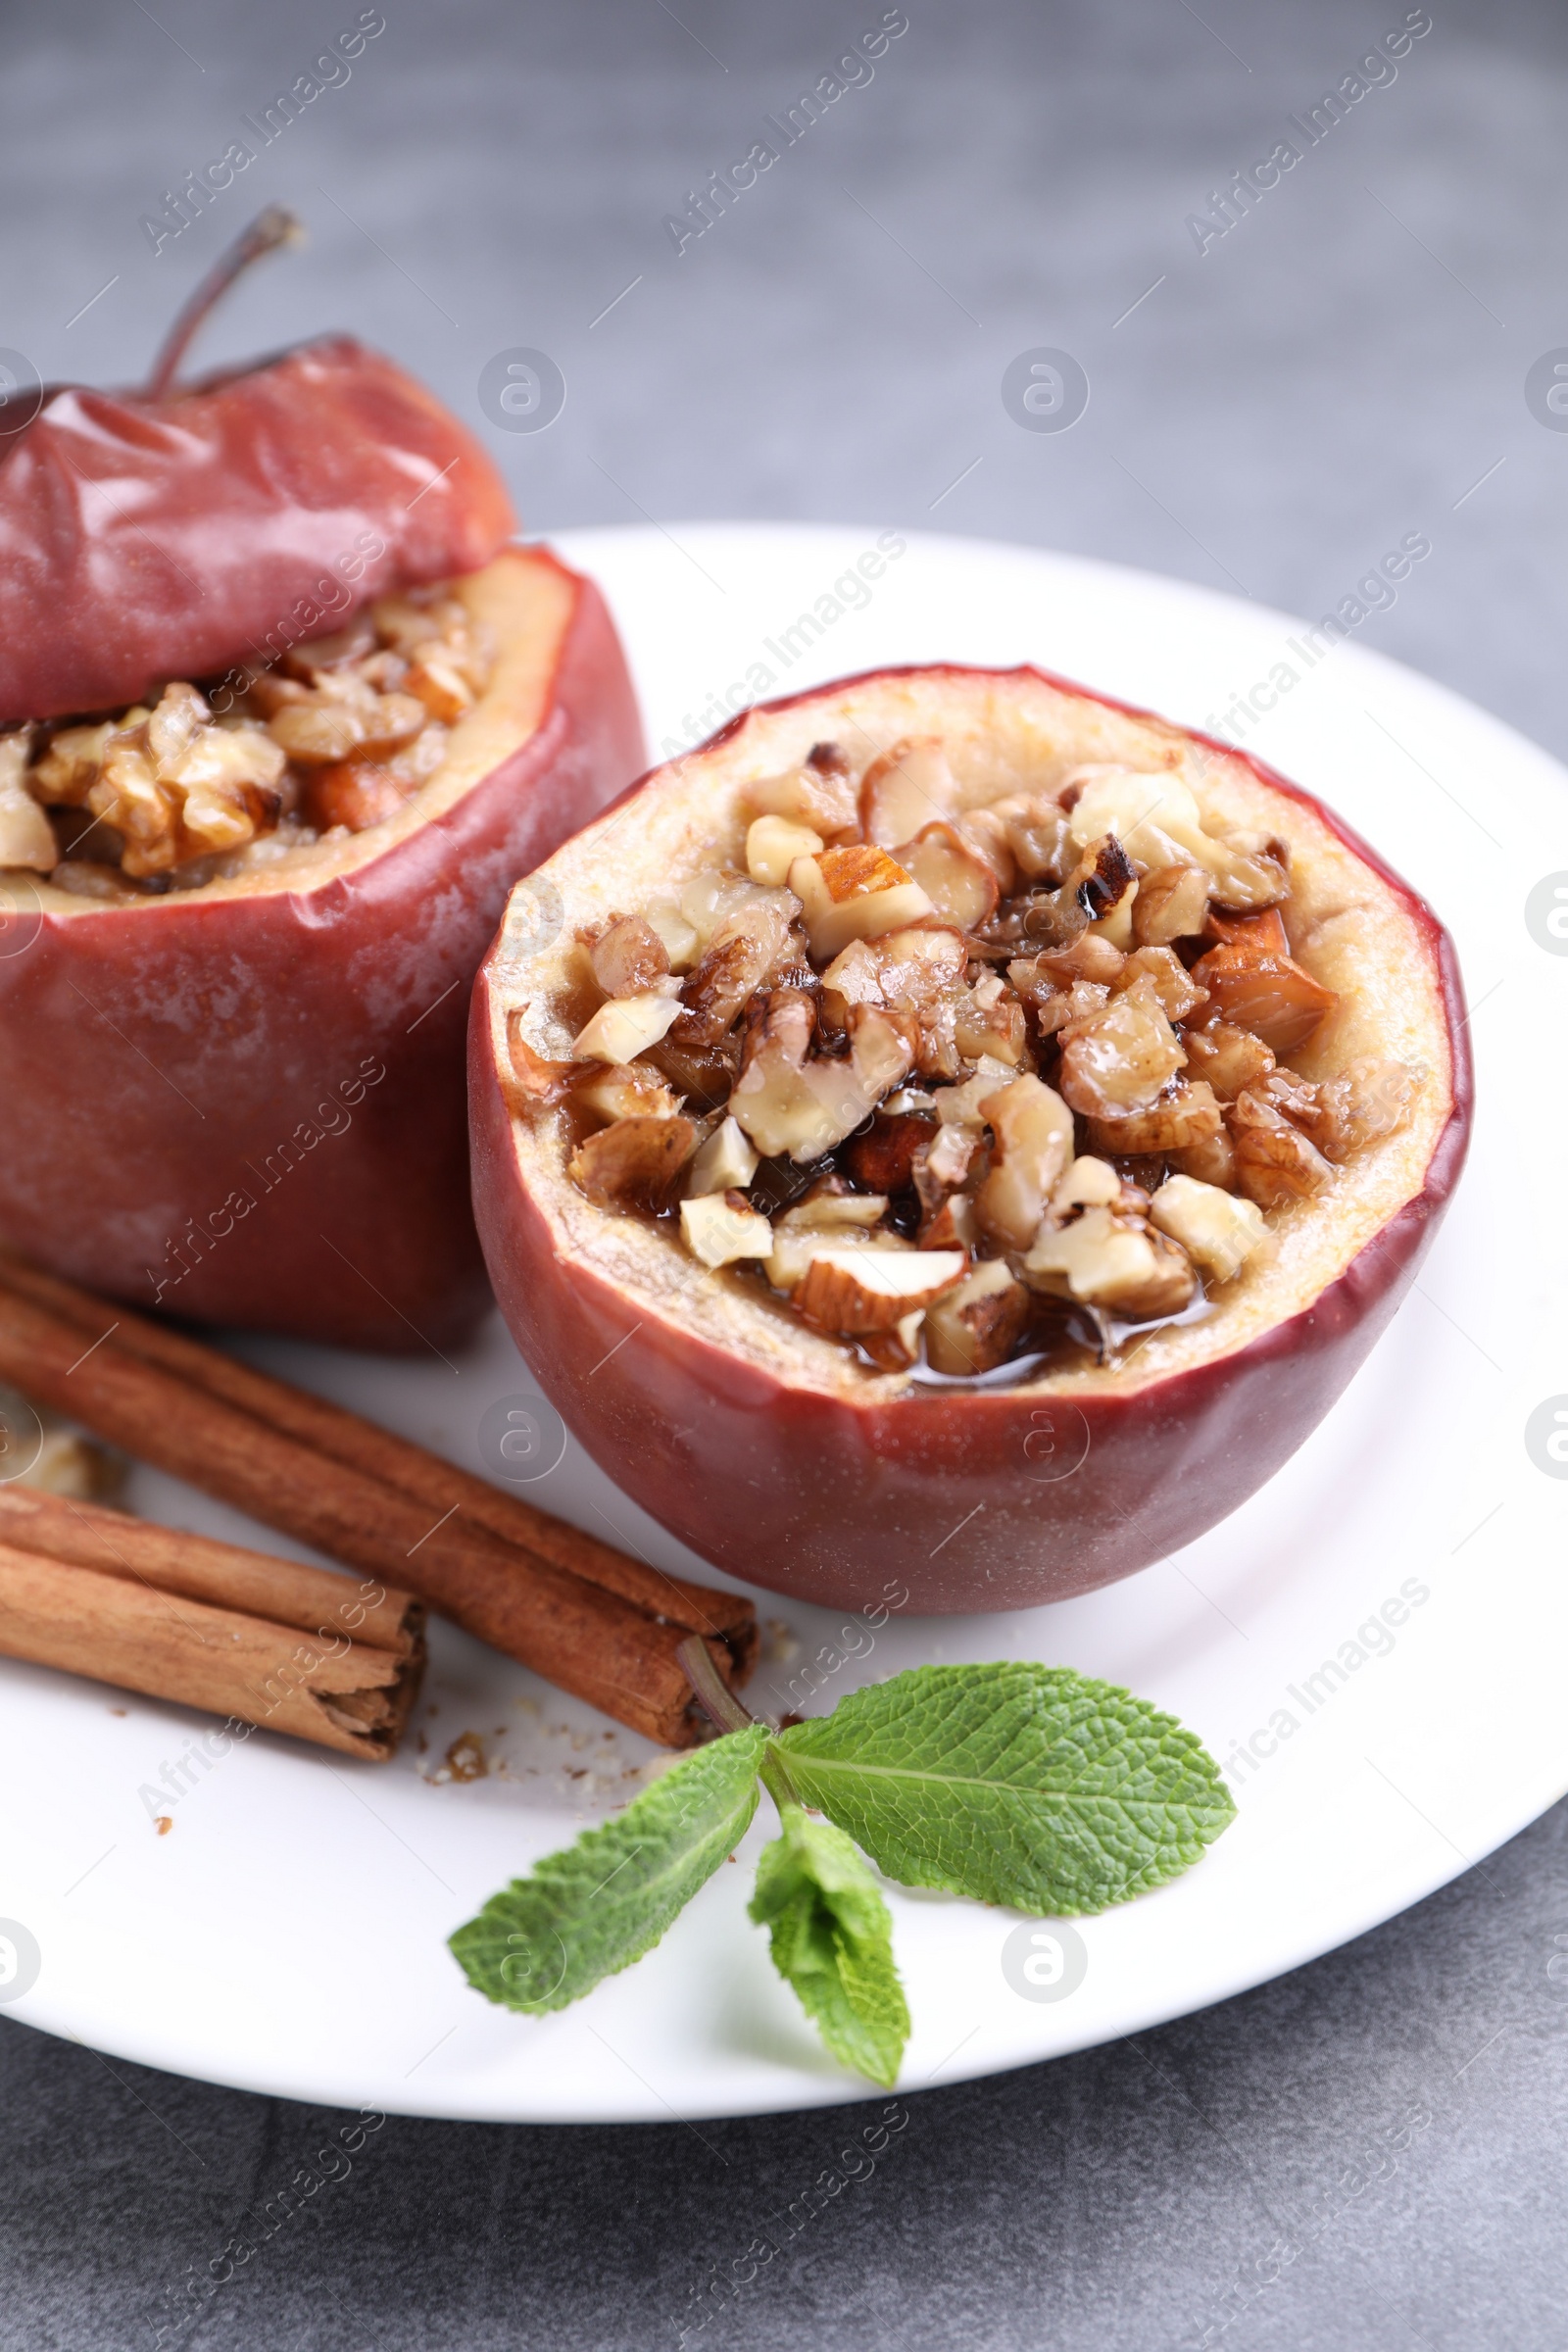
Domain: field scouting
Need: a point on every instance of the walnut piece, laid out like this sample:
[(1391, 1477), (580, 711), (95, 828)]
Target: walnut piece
[(1185, 1115), (1370, 1100), (1269, 994), (171, 784), (27, 836), (722, 1228), (851, 1290), (904, 789), (1228, 1058), (634, 1164), (855, 893), (790, 1103), (1113, 1261), (1213, 1227), (976, 1326), (1032, 1130), (1120, 1059), (733, 966), (1172, 904), (817, 795), (960, 884), (1275, 1162), (627, 957)]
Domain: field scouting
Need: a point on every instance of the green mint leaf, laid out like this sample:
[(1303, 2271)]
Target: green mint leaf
[(600, 1904), (1015, 1782), (832, 1941)]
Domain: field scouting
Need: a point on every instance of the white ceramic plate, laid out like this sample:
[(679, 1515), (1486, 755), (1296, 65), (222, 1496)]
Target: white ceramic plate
[(287, 1932)]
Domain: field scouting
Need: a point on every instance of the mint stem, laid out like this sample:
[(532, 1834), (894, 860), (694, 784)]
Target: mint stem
[(773, 1773), (717, 1700)]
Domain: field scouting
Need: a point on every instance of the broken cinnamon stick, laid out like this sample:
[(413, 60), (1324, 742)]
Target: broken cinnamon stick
[(313, 1601), (208, 1625), (426, 1476), (580, 1634)]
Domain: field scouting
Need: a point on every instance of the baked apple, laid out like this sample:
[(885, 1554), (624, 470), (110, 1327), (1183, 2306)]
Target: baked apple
[(292, 721), (966, 1129)]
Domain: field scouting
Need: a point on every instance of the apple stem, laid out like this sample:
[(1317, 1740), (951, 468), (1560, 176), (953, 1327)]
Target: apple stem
[(270, 229), (714, 1694)]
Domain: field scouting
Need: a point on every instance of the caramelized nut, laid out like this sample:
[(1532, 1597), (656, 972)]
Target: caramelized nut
[(625, 1089), (1269, 994), (976, 1326), (1115, 1263), (1213, 1226), (174, 786), (772, 844), (1120, 1059), (959, 882), (1186, 1115), (634, 1164), (1275, 1162), (855, 893), (1264, 934), (440, 687), (1228, 1058), (1172, 904), (820, 797), (1366, 1103), (883, 1161), (1036, 831), (858, 1289), (726, 1162), (1032, 1130), (721, 1228), (356, 794), (790, 1103), (733, 966), (27, 836), (831, 1205), (1213, 1161), (905, 789), (534, 1079), (1175, 989), (624, 1027)]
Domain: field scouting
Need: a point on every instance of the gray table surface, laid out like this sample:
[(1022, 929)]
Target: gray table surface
[(1365, 2153)]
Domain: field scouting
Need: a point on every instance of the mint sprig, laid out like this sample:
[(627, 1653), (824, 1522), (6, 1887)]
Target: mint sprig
[(1017, 1783)]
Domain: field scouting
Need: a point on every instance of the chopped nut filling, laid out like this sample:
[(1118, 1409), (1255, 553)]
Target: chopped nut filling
[(960, 1086), (175, 793)]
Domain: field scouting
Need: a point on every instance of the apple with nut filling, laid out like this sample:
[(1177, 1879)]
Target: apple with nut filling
[(283, 719), (964, 1127)]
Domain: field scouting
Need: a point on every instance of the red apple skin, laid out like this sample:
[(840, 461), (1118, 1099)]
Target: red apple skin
[(975, 1500), (151, 1059), (142, 539)]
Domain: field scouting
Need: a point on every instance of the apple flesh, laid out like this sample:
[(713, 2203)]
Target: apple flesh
[(244, 1102), (781, 1455)]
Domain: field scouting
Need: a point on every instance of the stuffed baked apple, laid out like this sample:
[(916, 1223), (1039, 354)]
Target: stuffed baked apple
[(285, 719), (966, 1129)]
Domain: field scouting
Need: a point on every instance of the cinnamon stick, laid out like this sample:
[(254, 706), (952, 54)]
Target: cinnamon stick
[(580, 1634), (208, 1625), (426, 1476), (312, 1600)]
